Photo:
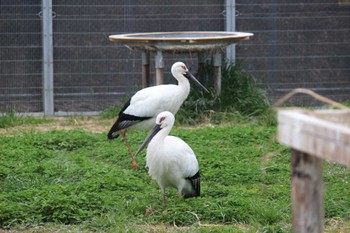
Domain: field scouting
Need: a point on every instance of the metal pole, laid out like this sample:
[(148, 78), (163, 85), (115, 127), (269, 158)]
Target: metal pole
[(231, 27), (47, 58)]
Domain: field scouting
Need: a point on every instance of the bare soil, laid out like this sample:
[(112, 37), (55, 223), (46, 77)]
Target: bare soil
[(91, 124)]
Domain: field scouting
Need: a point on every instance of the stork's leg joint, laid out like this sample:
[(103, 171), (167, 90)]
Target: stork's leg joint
[(134, 164)]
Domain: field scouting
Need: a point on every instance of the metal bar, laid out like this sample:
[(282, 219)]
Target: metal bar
[(231, 27), (47, 58)]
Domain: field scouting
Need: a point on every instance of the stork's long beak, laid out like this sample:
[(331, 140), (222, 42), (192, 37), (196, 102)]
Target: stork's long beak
[(191, 77), (153, 132)]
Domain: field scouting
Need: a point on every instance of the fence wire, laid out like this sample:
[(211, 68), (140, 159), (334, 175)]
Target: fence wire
[(295, 44), (20, 56), (94, 73)]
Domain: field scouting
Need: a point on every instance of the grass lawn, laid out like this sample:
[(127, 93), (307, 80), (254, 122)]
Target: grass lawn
[(72, 179)]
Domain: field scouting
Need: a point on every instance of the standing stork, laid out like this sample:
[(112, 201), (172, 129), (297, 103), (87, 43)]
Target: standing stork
[(142, 108), (170, 160)]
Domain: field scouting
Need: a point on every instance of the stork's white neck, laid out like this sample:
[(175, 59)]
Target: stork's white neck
[(158, 139), (184, 85)]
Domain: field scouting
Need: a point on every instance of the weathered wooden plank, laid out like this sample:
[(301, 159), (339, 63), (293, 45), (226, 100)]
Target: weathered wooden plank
[(308, 133), (145, 69), (159, 60), (307, 193), (315, 125), (340, 117)]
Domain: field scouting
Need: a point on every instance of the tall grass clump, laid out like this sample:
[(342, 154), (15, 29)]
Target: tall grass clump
[(241, 91), (240, 97), (110, 113)]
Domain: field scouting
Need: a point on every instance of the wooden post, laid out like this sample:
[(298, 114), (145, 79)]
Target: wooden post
[(159, 68), (307, 193), (217, 72), (145, 70), (201, 62)]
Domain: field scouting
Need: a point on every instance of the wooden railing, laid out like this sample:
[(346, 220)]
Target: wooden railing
[(314, 136)]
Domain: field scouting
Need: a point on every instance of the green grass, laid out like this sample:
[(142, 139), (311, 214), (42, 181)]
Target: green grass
[(79, 181), (10, 119), (110, 113)]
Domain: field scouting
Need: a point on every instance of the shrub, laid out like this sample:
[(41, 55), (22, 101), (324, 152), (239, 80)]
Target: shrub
[(241, 91), (240, 97)]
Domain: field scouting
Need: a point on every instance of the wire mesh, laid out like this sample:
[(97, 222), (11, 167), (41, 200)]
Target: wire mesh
[(295, 44), (92, 73), (20, 56)]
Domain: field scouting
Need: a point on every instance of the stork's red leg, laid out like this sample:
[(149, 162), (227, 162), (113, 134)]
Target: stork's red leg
[(134, 164)]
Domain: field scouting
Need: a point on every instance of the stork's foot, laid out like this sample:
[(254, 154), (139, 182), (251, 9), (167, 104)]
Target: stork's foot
[(149, 211), (134, 165)]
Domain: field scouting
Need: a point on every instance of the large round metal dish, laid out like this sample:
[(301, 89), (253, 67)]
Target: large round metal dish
[(180, 41)]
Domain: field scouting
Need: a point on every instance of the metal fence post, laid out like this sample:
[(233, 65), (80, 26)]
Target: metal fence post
[(230, 26), (47, 57)]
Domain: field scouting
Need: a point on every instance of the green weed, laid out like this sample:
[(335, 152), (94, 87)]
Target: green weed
[(241, 91), (241, 97), (80, 179), (110, 113)]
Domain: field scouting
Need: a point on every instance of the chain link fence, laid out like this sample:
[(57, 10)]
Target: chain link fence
[(21, 56), (294, 45), (297, 44)]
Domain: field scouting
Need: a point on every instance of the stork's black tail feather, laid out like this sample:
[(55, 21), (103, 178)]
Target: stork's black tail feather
[(116, 125), (196, 184), (112, 130), (124, 121)]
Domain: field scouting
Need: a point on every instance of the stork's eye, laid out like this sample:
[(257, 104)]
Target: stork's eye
[(161, 119)]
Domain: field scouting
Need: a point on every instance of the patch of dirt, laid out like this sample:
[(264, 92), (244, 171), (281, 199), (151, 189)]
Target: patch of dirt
[(61, 123)]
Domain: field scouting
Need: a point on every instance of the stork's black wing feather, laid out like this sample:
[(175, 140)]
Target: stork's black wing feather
[(195, 181), (124, 121)]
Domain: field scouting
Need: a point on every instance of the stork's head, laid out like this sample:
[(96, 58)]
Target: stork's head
[(180, 70), (164, 122), (165, 119)]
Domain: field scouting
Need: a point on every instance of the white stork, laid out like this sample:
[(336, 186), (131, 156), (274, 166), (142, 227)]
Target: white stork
[(142, 108), (170, 160)]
